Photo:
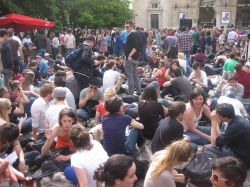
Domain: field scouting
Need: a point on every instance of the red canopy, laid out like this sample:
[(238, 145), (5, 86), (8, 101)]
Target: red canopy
[(21, 23)]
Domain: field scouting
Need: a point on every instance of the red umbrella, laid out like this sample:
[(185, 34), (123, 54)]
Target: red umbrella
[(22, 23)]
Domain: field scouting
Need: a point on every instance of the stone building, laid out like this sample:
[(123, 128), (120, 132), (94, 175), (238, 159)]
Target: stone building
[(167, 13)]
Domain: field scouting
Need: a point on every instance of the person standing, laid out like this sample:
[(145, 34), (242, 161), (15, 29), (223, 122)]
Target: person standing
[(6, 58), (132, 58), (69, 41)]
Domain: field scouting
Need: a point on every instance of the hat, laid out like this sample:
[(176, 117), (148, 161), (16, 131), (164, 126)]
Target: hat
[(154, 85), (46, 54), (90, 38), (230, 92), (59, 92)]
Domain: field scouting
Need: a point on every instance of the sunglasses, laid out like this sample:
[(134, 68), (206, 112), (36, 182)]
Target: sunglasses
[(93, 88), (216, 178)]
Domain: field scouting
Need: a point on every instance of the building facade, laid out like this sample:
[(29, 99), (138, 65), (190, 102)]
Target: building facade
[(167, 13)]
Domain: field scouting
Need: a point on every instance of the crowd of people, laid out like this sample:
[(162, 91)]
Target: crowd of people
[(131, 94)]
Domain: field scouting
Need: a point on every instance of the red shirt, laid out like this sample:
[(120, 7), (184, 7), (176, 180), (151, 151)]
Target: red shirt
[(100, 108), (161, 79), (244, 79)]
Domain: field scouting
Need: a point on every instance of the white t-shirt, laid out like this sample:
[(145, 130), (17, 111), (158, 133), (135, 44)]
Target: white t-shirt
[(235, 102), (90, 160), (202, 78), (69, 40), (183, 64), (70, 99), (109, 78), (52, 114), (232, 35)]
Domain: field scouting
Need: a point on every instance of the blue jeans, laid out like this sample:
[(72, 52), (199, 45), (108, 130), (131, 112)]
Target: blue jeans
[(197, 139), (222, 152), (187, 57), (82, 115), (131, 141), (132, 76)]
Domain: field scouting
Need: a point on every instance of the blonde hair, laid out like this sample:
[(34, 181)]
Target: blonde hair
[(109, 92), (5, 104), (180, 55), (29, 77), (178, 151)]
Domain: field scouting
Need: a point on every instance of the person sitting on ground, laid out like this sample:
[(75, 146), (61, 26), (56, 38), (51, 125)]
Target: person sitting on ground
[(118, 171), (159, 74), (171, 128), (243, 78), (179, 86), (161, 172), (228, 172), (88, 157), (198, 77), (111, 77), (114, 126), (89, 98), (235, 140), (54, 109), (100, 109), (38, 111), (150, 112), (200, 57), (233, 81), (195, 109), (237, 104)]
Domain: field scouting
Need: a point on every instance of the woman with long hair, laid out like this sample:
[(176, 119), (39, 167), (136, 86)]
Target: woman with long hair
[(150, 112), (171, 128), (161, 172), (118, 171), (196, 108), (88, 157)]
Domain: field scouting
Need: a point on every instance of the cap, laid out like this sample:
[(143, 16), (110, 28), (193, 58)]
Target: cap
[(90, 38), (46, 54), (59, 92)]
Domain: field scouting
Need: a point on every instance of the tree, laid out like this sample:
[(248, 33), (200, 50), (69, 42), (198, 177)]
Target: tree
[(76, 13)]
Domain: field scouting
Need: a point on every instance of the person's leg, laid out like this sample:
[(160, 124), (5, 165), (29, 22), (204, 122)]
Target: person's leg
[(195, 138), (27, 106), (129, 75), (82, 115), (137, 81), (187, 56), (30, 157), (26, 128), (213, 103), (131, 141), (8, 75), (224, 151)]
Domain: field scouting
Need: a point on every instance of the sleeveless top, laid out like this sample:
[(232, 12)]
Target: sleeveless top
[(161, 79), (64, 142), (195, 118)]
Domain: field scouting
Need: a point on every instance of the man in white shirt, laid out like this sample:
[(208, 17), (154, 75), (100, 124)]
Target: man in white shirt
[(52, 114), (110, 77), (232, 36), (39, 108), (69, 40)]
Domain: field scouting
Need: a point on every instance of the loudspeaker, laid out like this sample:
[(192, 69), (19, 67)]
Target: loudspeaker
[(186, 23)]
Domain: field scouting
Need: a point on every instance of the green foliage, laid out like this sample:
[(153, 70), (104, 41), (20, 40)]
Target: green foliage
[(76, 13)]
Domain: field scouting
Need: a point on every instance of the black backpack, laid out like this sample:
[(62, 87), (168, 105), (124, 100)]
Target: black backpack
[(73, 59), (199, 168)]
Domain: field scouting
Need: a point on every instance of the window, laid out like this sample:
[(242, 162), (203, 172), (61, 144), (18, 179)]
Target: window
[(154, 5)]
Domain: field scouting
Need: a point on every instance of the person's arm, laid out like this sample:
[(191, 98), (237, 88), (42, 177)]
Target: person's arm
[(136, 124), (167, 84), (83, 101), (132, 52), (50, 135), (19, 151), (215, 130), (97, 116), (81, 176)]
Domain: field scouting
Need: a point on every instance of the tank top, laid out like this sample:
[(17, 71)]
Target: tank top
[(64, 142), (161, 79)]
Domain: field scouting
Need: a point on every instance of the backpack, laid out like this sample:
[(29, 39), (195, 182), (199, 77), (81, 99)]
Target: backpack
[(73, 58), (199, 168)]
